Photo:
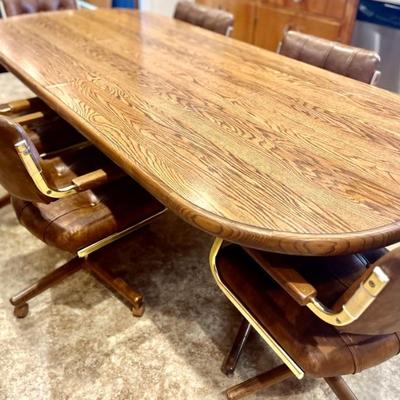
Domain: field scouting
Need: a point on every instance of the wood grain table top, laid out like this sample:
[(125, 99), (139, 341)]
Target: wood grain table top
[(242, 143)]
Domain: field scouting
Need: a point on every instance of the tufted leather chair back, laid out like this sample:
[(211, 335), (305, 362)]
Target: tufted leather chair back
[(212, 19), (11, 8), (13, 174), (383, 315), (349, 61)]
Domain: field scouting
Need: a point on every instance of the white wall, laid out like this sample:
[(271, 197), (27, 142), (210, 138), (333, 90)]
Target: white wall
[(165, 7)]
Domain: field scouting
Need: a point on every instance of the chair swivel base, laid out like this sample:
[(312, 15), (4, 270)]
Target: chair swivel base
[(5, 200), (134, 298), (271, 377), (278, 375), (232, 358)]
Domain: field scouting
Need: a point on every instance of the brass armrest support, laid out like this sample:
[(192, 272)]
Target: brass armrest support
[(306, 295), (268, 338), (78, 184), (35, 173), (363, 297), (229, 31), (376, 78)]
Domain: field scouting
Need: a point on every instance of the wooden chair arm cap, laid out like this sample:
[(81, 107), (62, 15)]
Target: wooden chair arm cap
[(97, 178), (286, 276)]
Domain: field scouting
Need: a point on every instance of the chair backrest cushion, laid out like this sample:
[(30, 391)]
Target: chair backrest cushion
[(383, 315), (17, 7), (13, 174), (212, 19), (345, 60)]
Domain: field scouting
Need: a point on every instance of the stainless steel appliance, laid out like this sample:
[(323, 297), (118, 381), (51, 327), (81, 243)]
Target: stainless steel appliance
[(378, 28)]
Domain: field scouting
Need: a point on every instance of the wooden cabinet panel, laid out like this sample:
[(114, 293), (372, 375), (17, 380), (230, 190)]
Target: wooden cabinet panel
[(209, 3), (273, 22), (101, 3), (328, 8), (244, 12), (263, 22)]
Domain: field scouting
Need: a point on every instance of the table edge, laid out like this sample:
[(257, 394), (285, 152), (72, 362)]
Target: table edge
[(232, 231)]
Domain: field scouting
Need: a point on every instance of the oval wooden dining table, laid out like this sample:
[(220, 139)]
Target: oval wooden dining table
[(242, 143)]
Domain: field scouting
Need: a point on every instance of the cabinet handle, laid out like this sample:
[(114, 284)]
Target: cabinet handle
[(297, 1)]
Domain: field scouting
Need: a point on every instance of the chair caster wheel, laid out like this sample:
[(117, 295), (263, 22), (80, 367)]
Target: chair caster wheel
[(138, 311), (21, 311)]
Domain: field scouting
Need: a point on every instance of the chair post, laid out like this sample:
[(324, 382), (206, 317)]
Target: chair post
[(232, 358), (5, 200), (19, 301), (263, 381), (340, 388)]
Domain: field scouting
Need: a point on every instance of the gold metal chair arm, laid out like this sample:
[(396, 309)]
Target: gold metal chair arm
[(363, 297), (116, 236), (35, 173), (275, 346), (229, 31), (15, 106)]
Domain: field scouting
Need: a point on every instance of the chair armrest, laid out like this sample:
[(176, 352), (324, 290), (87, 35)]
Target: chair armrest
[(286, 276), (347, 309), (91, 180), (17, 106), (80, 183), (29, 118)]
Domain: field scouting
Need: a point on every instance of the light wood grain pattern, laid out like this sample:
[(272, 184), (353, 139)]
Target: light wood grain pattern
[(240, 142)]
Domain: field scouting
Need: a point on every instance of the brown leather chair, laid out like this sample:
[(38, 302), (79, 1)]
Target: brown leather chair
[(49, 133), (352, 62), (323, 316), (11, 8), (215, 20), (78, 202)]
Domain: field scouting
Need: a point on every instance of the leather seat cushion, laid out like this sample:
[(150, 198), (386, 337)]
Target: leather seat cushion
[(79, 220), (318, 348)]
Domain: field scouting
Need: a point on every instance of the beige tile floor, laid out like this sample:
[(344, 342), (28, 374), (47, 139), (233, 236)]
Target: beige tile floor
[(80, 342)]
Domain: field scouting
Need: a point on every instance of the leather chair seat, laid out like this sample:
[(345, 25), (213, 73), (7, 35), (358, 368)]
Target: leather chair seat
[(79, 220), (318, 348)]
